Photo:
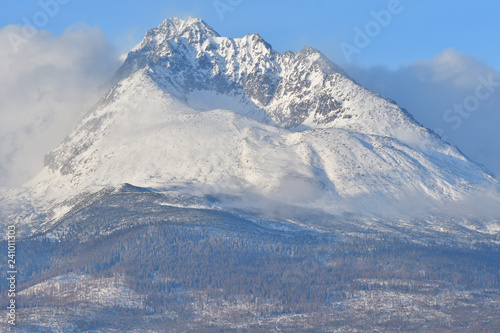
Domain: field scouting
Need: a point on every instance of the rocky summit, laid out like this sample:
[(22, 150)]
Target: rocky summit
[(222, 185)]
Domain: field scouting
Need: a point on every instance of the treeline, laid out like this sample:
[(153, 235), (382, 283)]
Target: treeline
[(164, 262)]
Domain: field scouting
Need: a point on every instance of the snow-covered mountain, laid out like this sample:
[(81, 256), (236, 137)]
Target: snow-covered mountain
[(221, 185), (207, 114)]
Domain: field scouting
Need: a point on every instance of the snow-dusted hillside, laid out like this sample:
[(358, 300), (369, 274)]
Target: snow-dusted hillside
[(232, 116), (222, 186)]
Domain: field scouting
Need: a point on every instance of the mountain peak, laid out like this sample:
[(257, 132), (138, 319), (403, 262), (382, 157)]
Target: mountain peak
[(256, 38), (188, 28), (192, 29), (316, 57), (231, 115), (292, 90)]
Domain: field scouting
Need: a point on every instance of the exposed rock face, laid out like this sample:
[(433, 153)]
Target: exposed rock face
[(221, 115)]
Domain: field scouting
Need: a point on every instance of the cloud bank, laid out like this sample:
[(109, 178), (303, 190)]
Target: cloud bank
[(453, 94), (47, 84), (52, 80)]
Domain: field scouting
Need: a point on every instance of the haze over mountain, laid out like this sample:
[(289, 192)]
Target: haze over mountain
[(221, 184), (219, 116)]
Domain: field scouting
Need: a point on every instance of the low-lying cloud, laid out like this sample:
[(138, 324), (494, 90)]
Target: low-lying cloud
[(47, 84), (455, 95)]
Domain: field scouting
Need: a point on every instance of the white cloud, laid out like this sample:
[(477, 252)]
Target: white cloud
[(442, 94), (46, 86), (52, 80)]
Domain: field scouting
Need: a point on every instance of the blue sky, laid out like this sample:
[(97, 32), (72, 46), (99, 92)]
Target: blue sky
[(432, 57), (420, 31)]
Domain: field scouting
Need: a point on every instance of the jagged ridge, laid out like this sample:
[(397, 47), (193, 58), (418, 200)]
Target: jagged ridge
[(220, 115)]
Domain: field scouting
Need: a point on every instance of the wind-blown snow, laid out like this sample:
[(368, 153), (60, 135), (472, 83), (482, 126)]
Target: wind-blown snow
[(234, 116)]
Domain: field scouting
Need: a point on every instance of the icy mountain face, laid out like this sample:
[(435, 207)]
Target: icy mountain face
[(216, 115), (221, 185), (293, 90)]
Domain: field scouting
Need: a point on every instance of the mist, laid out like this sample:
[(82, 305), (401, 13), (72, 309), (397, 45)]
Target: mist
[(453, 94), (47, 84)]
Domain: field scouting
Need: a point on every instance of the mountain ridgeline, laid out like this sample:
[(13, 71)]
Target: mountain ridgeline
[(232, 116), (221, 186)]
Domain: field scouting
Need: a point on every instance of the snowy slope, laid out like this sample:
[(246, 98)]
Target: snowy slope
[(293, 90), (233, 116)]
